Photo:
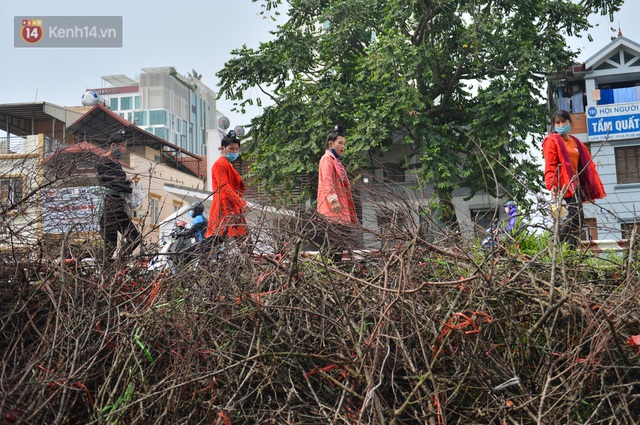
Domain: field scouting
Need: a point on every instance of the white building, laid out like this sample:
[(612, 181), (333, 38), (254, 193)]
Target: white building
[(179, 109)]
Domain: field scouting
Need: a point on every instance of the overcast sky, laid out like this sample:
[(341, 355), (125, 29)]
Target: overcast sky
[(185, 34)]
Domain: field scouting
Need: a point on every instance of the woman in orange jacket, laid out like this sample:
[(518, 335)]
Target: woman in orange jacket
[(226, 216), (570, 173)]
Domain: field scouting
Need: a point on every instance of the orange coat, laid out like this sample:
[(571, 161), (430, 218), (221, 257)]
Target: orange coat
[(225, 216), (559, 173), (333, 183)]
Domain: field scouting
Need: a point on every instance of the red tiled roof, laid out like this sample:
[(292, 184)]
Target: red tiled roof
[(197, 165), (82, 147)]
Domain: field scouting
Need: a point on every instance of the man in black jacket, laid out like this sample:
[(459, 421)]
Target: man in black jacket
[(115, 215)]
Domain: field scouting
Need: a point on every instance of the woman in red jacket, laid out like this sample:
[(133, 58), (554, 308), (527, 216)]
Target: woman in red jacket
[(569, 173), (226, 217)]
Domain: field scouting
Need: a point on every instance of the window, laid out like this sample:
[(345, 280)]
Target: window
[(154, 209), (126, 103), (391, 222), (590, 229), (136, 102), (482, 219), (157, 117), (11, 191), (140, 117), (394, 173), (161, 132), (627, 229), (84, 165), (114, 103), (628, 164)]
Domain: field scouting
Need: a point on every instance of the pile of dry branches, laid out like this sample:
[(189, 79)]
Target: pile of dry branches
[(418, 332)]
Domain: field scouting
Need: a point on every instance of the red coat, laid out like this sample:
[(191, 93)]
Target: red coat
[(559, 173), (225, 216), (333, 183)]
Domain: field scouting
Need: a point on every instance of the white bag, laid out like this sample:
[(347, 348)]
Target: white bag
[(134, 200)]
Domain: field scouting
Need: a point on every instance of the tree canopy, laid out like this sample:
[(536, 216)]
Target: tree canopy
[(459, 83)]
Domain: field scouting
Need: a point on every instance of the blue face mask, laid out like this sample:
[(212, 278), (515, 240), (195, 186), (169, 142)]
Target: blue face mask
[(116, 153), (232, 156), (563, 129)]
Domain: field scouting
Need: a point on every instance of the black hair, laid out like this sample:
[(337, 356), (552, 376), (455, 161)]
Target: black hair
[(338, 130), (561, 113), (119, 136), (229, 139), (196, 208)]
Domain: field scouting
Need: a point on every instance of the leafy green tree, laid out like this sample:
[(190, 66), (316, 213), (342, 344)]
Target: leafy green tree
[(459, 83)]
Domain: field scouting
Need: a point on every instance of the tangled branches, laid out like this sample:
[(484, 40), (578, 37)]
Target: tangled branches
[(417, 332)]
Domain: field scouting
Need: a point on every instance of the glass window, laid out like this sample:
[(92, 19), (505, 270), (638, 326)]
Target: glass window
[(394, 173), (126, 103), (140, 117), (157, 117), (628, 164), (136, 102), (161, 132), (154, 210), (482, 218), (11, 190), (114, 103), (627, 229)]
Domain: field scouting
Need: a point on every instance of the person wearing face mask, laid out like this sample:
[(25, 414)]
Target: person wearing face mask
[(570, 174), (199, 224), (511, 210), (335, 200), (226, 216), (115, 213)]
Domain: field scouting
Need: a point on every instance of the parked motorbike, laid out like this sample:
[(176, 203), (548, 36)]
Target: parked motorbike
[(174, 250), (492, 241)]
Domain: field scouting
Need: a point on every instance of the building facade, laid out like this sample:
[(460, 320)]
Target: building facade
[(603, 96), (47, 173), (179, 109)]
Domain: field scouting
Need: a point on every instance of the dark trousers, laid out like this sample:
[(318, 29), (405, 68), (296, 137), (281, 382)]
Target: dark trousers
[(333, 238), (115, 219), (571, 228)]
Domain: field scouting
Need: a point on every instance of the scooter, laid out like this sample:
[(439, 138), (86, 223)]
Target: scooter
[(174, 250), (492, 240)]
